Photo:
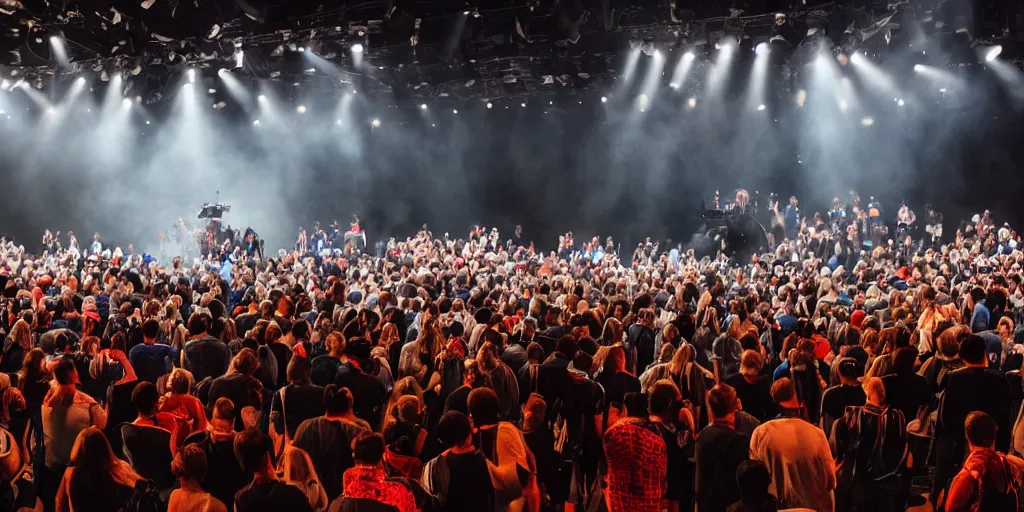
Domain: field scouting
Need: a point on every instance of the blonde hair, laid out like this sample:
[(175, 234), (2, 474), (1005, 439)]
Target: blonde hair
[(298, 467), (21, 333)]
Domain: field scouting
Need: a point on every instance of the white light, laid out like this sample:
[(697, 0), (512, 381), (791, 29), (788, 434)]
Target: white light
[(490, 105), (432, 125), (54, 40), (993, 53), (900, 102), (673, 85), (843, 105), (256, 122), (465, 13), (761, 49), (191, 76), (522, 105), (821, 60), (302, 50), (761, 107), (212, 91), (856, 58), (867, 121), (4, 84), (718, 46), (943, 90), (423, 106), (692, 102), (551, 103), (52, 110), (688, 55), (127, 103), (801, 97), (455, 111), (376, 123), (80, 80), (338, 122), (657, 54), (604, 99), (239, 58), (147, 122), (357, 48), (262, 98), (301, 109), (918, 68)]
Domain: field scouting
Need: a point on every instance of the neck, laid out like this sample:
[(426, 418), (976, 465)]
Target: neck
[(751, 378), (149, 341), (983, 364), (727, 421), (459, 450), (191, 485), (67, 388)]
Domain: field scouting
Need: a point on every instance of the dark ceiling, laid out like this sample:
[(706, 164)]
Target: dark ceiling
[(447, 48)]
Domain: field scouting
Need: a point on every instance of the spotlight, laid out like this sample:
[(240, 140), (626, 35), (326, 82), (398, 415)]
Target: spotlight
[(52, 110), (376, 123), (761, 107), (843, 105), (357, 48), (465, 13), (302, 50), (993, 53), (256, 122), (127, 103), (455, 111), (900, 102), (688, 55), (522, 105), (147, 122), (490, 105), (856, 58), (191, 76), (604, 99), (918, 68), (423, 106), (211, 91), (673, 85), (867, 121), (761, 49), (262, 98), (4, 84), (338, 122), (138, 100), (80, 80), (692, 102), (718, 46), (54, 40), (239, 58), (801, 97), (301, 109), (821, 60)]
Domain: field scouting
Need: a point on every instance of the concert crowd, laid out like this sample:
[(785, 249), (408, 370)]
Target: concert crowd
[(836, 369)]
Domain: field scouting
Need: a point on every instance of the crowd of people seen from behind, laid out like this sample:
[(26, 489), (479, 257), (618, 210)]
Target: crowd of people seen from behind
[(475, 375)]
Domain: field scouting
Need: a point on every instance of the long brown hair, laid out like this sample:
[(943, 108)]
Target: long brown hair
[(95, 465)]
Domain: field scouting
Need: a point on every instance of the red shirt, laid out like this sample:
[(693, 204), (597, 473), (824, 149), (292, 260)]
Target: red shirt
[(369, 482), (637, 467)]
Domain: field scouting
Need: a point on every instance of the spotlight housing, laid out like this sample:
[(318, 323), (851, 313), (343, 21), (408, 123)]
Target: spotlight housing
[(357, 48), (993, 53), (761, 49)]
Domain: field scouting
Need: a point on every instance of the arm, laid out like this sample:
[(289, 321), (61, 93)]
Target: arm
[(961, 492), (63, 501), (98, 416)]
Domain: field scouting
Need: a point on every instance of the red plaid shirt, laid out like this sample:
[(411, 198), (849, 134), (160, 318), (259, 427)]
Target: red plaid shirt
[(369, 482), (637, 466)]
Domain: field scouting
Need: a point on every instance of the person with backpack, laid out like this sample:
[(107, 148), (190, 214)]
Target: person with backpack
[(869, 444), (460, 462), (989, 480)]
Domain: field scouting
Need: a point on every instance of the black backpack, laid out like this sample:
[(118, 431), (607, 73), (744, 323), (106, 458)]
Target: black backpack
[(885, 462), (145, 498)]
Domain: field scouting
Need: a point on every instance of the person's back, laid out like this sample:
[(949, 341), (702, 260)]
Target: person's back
[(206, 357), (719, 451), (328, 439), (65, 413), (190, 466), (990, 480), (242, 390), (800, 460), (265, 493)]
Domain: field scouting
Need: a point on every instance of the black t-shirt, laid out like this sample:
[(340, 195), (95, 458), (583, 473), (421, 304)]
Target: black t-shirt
[(616, 386), (149, 451), (300, 403), (756, 398), (207, 357), (585, 400), (224, 475), (718, 452), (470, 485), (241, 389), (272, 496), (329, 445), (906, 393), (836, 399), (121, 410), (367, 391), (98, 493)]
